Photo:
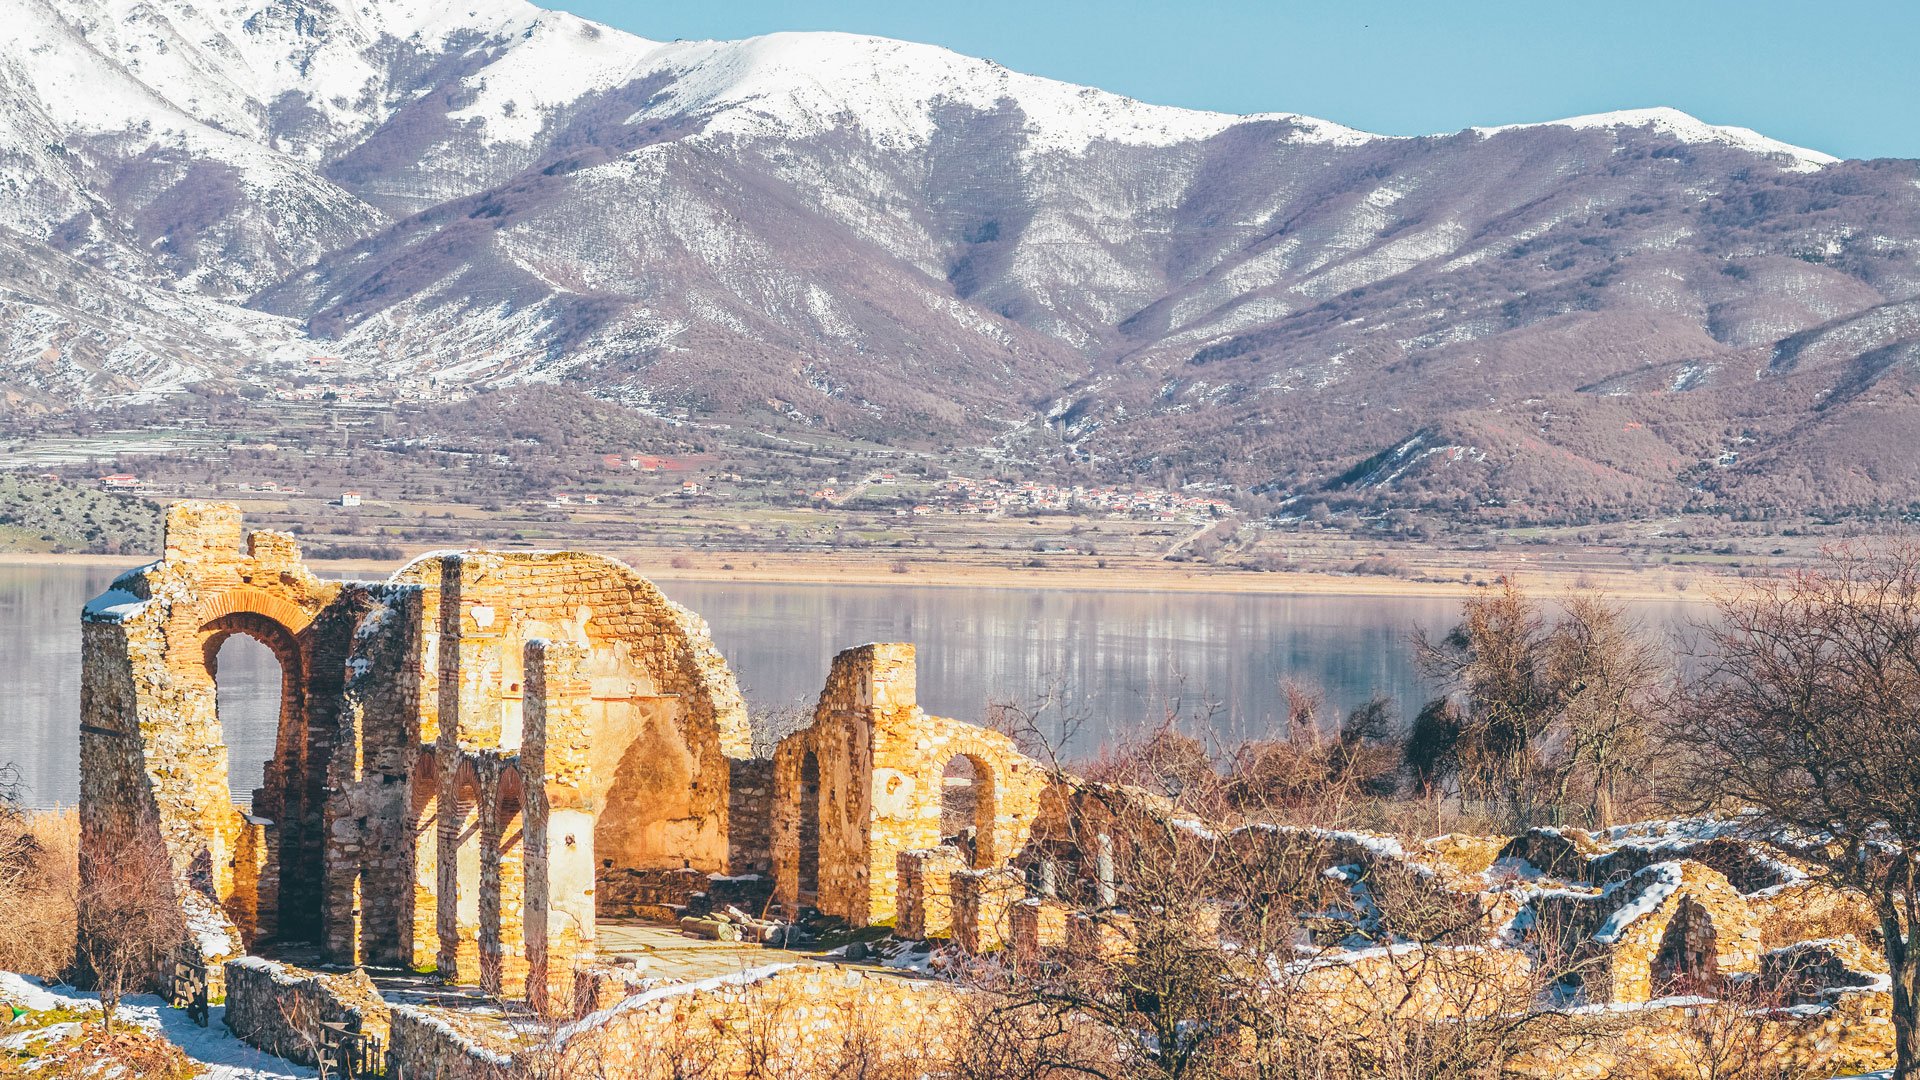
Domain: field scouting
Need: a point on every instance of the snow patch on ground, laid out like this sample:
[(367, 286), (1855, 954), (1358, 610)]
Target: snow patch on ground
[(226, 1057)]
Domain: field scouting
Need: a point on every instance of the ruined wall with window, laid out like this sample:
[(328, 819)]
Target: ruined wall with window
[(869, 780)]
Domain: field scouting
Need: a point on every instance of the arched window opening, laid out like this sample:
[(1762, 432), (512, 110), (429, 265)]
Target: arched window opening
[(966, 790), (1686, 962), (809, 869), (249, 690)]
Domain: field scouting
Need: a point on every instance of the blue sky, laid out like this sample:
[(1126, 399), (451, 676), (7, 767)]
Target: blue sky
[(1841, 76)]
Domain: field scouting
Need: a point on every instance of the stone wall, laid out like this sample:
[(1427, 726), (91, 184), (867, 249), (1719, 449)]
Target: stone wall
[(279, 1008), (1849, 1036), (926, 891), (154, 763), (426, 1045), (750, 816), (982, 903), (781, 1020), (880, 760)]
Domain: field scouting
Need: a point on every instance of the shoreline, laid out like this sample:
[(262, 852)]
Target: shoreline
[(958, 572)]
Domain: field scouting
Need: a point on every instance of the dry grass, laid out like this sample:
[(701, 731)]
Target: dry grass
[(39, 873), (1821, 918), (62, 1046)]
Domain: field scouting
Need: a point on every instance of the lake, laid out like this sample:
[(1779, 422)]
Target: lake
[(1118, 661)]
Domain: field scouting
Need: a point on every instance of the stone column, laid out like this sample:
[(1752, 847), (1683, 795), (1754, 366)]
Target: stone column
[(559, 821), (457, 902), (503, 950)]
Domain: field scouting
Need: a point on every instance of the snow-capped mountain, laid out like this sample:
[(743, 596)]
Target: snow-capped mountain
[(896, 240)]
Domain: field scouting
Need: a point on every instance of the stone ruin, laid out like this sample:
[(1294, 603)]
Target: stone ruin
[(474, 754), (488, 753)]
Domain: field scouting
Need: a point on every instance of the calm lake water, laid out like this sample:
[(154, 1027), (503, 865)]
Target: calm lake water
[(1118, 660)]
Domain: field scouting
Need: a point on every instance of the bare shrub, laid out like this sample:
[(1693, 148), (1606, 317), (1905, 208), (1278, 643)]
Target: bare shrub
[(38, 872), (1546, 721), (130, 923), (1740, 1035)]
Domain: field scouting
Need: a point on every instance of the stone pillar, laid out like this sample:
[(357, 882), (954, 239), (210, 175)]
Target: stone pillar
[(556, 758), (1103, 870), (199, 530), (1037, 924), (503, 949), (1107, 936), (457, 899), (926, 892), (423, 949)]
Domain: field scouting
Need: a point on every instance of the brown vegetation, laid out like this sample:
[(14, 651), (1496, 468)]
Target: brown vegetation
[(38, 876)]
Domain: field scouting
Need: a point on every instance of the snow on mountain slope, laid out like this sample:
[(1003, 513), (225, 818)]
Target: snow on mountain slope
[(1687, 129), (804, 84), (877, 236)]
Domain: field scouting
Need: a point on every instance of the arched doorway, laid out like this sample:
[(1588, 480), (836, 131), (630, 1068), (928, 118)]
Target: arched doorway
[(1687, 961), (966, 809), (808, 874), (254, 663), (249, 688)]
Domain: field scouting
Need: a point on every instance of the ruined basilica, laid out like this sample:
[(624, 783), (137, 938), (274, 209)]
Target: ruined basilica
[(481, 753)]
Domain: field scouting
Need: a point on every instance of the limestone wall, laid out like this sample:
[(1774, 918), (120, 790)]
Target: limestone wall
[(279, 1008), (880, 759), (154, 761), (665, 710), (426, 1045), (926, 892), (782, 1020)]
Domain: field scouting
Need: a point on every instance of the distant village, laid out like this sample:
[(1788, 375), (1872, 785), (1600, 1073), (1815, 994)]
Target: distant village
[(997, 498), (915, 496)]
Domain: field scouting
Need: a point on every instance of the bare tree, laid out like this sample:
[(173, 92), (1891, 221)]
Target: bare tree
[(1807, 712), (130, 925), (1544, 717)]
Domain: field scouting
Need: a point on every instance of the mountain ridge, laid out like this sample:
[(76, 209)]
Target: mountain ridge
[(855, 234)]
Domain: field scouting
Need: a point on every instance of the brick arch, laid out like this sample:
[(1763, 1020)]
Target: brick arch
[(246, 599), (267, 631), (511, 789), (463, 781)]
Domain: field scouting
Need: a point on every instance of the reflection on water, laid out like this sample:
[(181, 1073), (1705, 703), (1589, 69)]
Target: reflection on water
[(1117, 660)]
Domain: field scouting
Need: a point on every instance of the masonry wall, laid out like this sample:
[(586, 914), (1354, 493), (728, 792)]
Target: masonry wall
[(153, 758), (279, 1008), (666, 712), (881, 759), (801, 1020)]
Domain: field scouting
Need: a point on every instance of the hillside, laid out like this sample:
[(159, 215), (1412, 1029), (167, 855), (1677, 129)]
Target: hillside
[(1614, 315)]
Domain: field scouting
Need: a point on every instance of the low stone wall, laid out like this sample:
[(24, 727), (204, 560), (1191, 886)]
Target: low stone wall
[(656, 895), (1850, 1036), (981, 899), (427, 1046), (1038, 924), (785, 1020), (279, 1008), (1403, 982)]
